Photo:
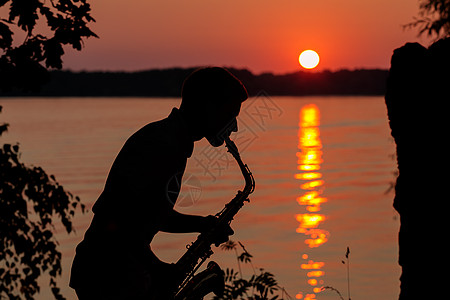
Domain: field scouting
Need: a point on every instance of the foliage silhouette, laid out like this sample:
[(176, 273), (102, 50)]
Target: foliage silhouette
[(434, 18), (262, 285), (20, 65), (29, 201)]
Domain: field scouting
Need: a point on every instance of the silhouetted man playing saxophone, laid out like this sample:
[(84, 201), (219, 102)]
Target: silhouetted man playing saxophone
[(115, 261)]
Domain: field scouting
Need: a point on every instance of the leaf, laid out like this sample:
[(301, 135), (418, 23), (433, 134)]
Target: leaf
[(53, 52), (229, 245), (25, 10), (230, 275), (3, 128), (245, 257), (7, 148), (5, 36)]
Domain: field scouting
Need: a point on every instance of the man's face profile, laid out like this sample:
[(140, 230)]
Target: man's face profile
[(218, 139), (222, 123), (211, 101)]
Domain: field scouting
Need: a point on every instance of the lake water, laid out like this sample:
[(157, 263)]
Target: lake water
[(322, 165)]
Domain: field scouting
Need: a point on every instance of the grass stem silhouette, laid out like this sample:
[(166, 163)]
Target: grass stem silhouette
[(347, 253)]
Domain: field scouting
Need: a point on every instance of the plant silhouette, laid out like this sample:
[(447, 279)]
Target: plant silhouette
[(262, 285), (30, 199), (434, 18), (21, 66)]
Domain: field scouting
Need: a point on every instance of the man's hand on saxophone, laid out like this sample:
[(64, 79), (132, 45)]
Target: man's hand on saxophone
[(182, 223), (220, 232)]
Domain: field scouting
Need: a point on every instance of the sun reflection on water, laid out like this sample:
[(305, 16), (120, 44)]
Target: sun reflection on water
[(309, 160)]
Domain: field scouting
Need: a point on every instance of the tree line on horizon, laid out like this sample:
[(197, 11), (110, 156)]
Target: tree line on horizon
[(168, 83)]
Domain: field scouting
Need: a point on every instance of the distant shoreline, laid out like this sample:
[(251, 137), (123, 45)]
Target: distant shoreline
[(166, 83)]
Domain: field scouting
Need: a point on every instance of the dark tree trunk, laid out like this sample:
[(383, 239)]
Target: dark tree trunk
[(418, 103)]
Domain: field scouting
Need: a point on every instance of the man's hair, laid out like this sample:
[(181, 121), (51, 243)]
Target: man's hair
[(211, 86)]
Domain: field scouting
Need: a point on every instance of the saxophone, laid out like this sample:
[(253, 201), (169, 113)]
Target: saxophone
[(189, 285)]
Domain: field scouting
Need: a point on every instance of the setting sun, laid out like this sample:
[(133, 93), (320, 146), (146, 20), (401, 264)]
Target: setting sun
[(309, 59)]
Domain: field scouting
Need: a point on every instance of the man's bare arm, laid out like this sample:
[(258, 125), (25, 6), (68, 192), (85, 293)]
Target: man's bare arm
[(182, 223)]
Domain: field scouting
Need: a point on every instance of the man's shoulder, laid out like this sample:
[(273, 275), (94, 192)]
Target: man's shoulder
[(153, 128), (155, 133)]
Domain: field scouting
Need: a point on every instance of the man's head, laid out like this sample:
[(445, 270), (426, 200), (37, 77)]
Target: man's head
[(211, 101)]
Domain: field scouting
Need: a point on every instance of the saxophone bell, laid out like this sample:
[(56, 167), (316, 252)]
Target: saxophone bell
[(212, 279)]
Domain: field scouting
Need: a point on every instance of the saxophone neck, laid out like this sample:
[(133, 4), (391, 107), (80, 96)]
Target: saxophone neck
[(249, 180), (232, 148)]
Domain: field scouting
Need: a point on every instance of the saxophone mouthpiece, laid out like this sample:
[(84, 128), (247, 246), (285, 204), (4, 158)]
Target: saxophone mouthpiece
[(227, 140)]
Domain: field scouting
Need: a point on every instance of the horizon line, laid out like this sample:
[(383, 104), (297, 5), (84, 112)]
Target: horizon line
[(226, 67)]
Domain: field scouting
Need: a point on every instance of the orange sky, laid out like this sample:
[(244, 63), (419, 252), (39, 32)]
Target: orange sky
[(261, 35)]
